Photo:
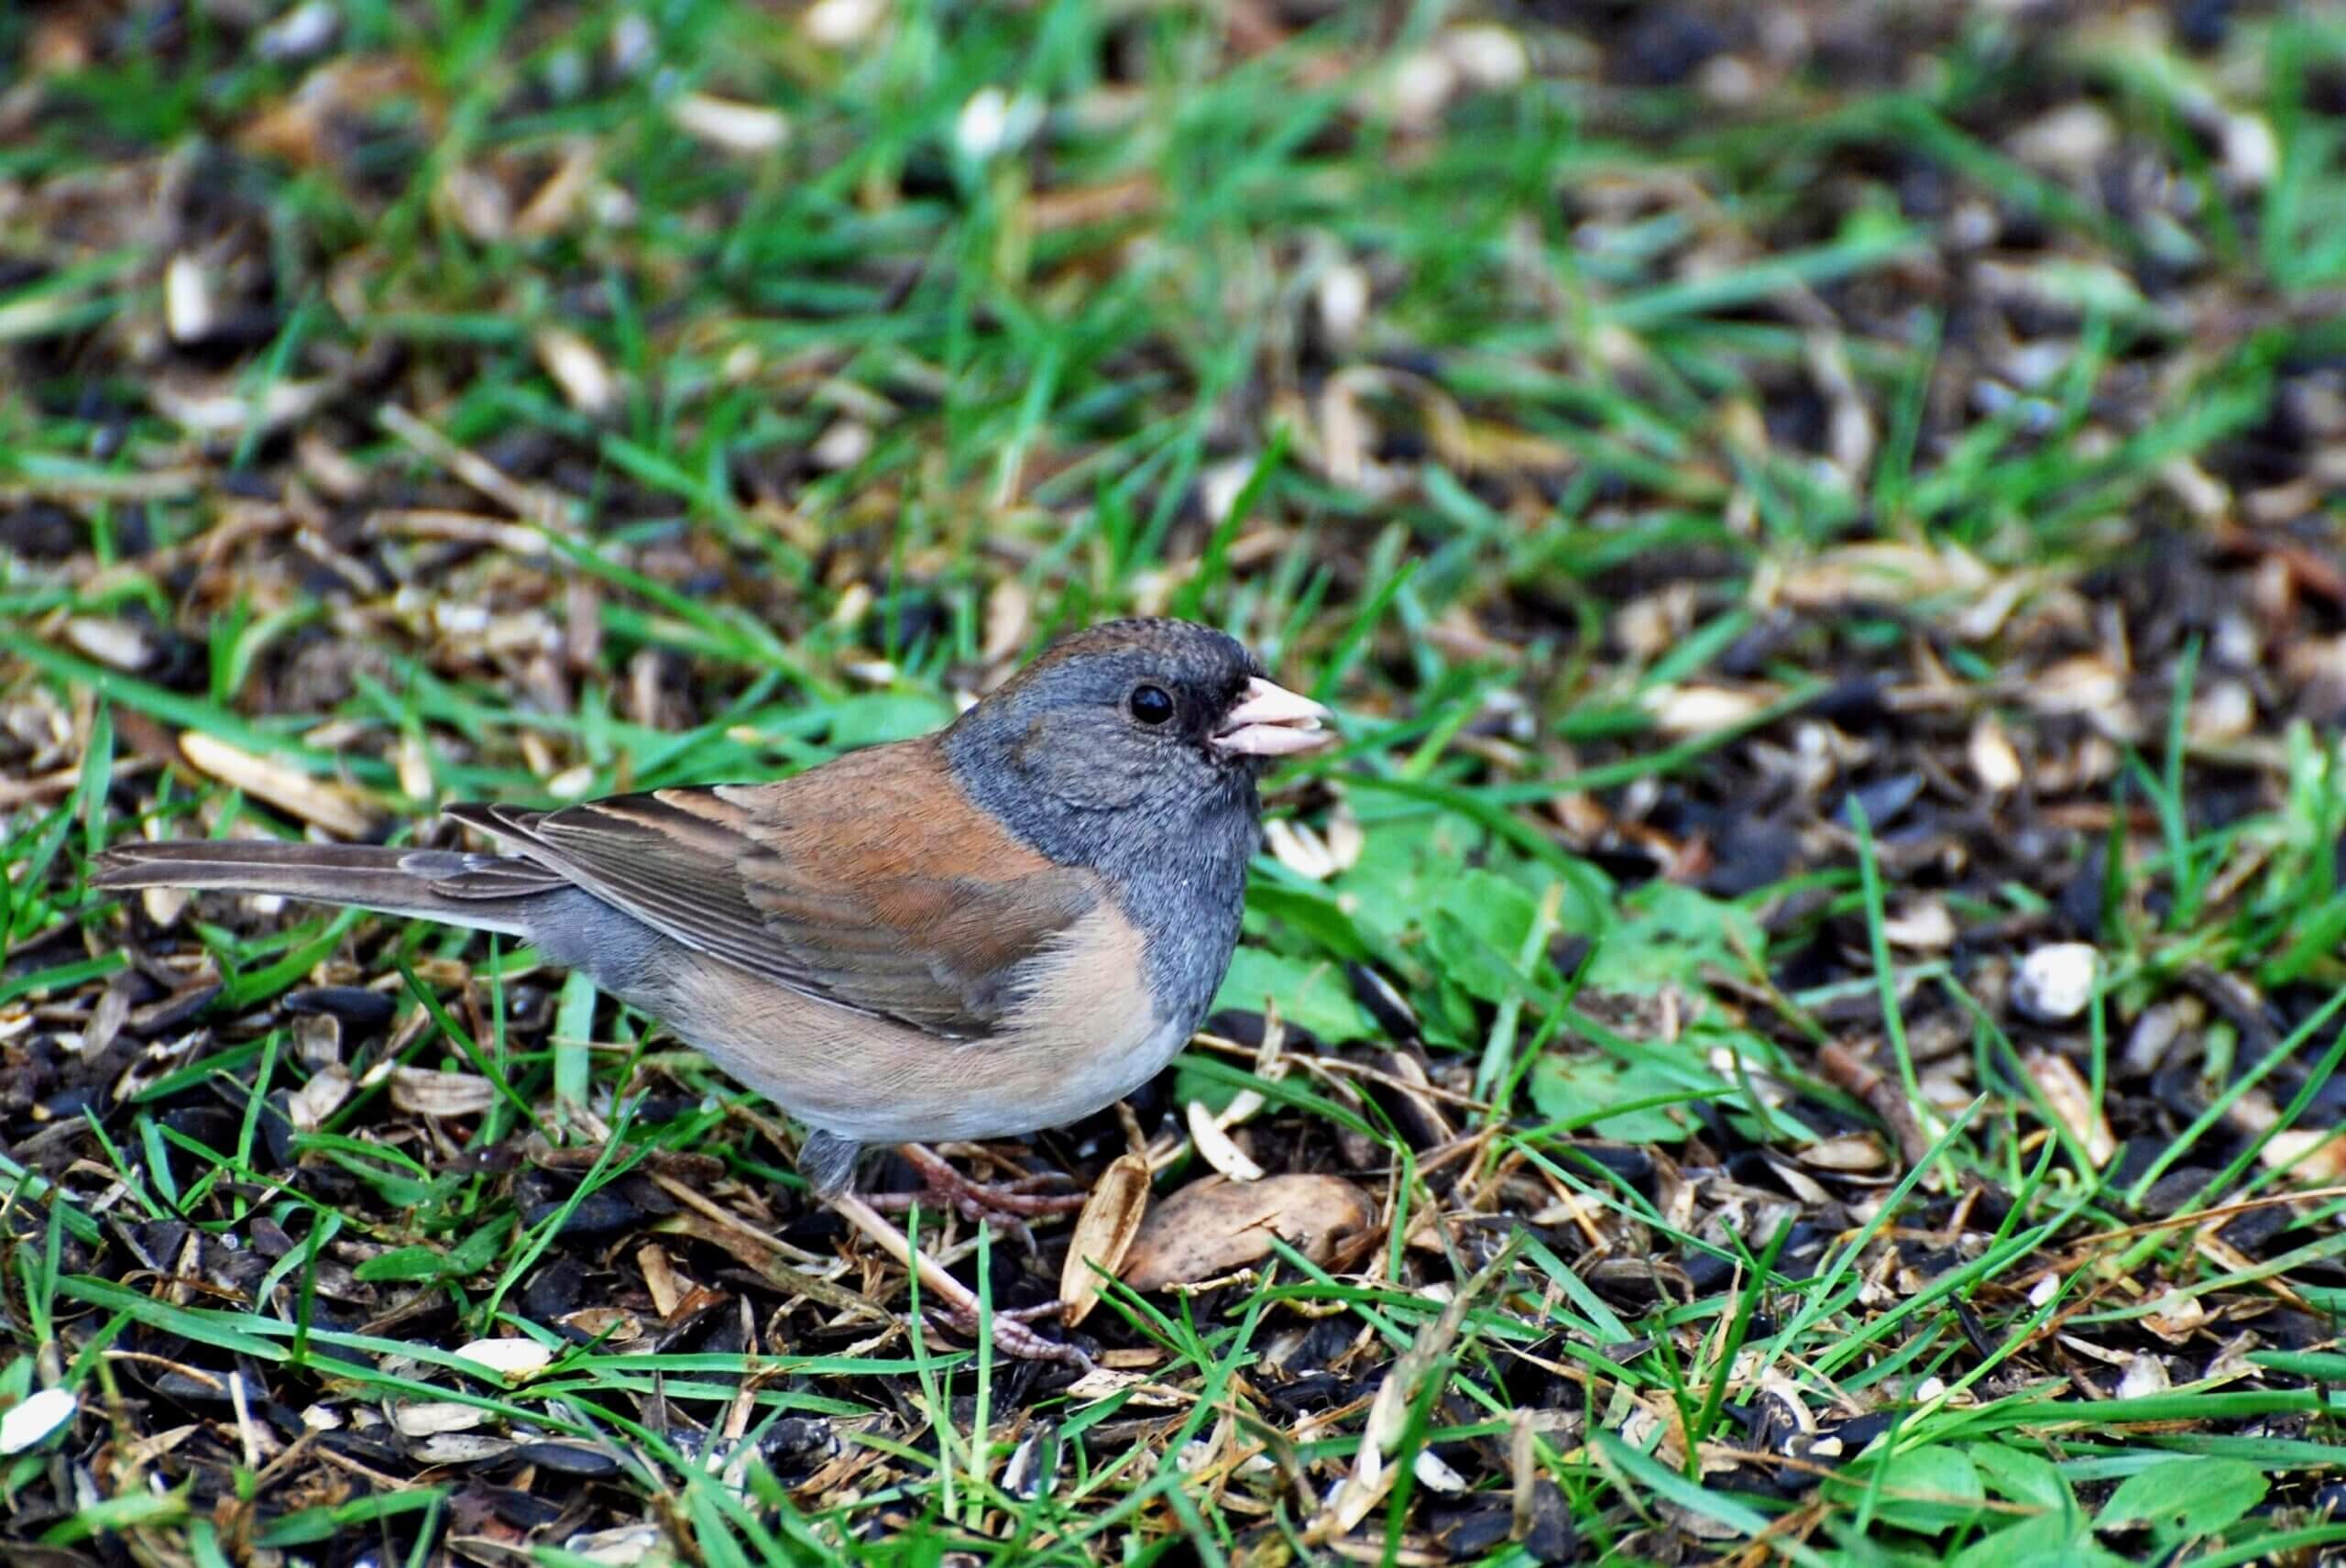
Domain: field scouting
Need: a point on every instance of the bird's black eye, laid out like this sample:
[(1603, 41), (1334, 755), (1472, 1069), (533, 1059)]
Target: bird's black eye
[(1150, 705)]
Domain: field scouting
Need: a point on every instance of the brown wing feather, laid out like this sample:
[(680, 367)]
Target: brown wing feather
[(870, 882)]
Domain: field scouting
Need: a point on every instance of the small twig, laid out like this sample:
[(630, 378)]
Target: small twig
[(1846, 1071), (530, 502)]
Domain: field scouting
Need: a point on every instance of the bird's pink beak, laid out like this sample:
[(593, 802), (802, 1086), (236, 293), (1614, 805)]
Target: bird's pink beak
[(1272, 721)]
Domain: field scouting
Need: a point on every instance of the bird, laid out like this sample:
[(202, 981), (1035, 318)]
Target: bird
[(983, 932)]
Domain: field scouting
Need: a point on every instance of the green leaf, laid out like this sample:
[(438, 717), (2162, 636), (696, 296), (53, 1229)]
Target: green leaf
[(2040, 1541), (1670, 934), (1311, 992), (2023, 1477), (1405, 864), (2185, 1497), (1568, 1086), (402, 1263), (1475, 931), (1929, 1490), (478, 1250), (1309, 913)]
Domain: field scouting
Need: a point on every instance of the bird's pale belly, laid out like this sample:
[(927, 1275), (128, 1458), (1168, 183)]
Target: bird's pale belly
[(985, 1090), (872, 1081)]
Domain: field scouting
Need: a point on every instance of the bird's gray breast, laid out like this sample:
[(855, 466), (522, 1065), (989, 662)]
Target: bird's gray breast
[(1186, 893)]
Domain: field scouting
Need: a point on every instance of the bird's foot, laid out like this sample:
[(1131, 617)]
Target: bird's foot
[(1010, 1329), (1008, 1204)]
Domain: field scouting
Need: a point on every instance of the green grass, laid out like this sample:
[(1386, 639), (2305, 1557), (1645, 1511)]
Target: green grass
[(1568, 520)]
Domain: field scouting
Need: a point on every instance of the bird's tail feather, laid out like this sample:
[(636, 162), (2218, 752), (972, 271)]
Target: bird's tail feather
[(489, 893)]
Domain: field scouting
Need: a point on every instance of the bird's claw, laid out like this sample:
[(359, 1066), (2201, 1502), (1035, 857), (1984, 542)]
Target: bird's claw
[(1012, 1333), (1008, 1204)]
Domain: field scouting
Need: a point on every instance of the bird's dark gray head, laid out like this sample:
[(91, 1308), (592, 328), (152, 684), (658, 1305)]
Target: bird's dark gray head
[(1132, 750), (1145, 729)]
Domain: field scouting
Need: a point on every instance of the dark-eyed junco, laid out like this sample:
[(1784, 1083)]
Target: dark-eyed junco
[(987, 931)]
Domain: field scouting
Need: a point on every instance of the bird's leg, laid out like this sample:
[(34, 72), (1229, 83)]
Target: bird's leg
[(958, 1301), (1011, 1200), (827, 1162)]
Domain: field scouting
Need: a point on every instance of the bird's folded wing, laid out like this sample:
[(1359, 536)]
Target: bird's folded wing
[(870, 882)]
